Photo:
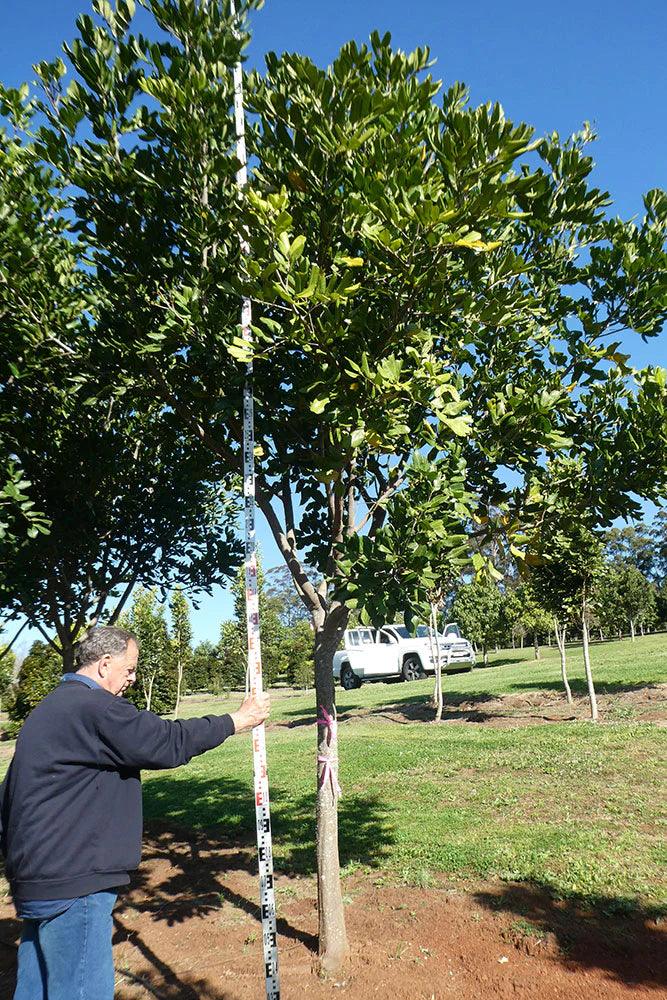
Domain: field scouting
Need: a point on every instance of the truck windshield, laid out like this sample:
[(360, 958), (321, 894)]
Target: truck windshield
[(401, 630)]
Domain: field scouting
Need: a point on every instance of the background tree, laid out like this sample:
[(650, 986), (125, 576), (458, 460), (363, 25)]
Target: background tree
[(280, 591), (181, 640), (272, 633), (232, 657), (630, 598), (418, 553), (155, 686), (202, 667), (532, 618), (7, 669), (477, 608), (299, 655), (659, 538), (631, 545), (40, 672)]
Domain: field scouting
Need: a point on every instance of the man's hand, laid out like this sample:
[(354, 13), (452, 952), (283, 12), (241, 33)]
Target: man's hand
[(253, 711)]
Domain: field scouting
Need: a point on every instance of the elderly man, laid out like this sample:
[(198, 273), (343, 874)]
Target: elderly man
[(72, 812)]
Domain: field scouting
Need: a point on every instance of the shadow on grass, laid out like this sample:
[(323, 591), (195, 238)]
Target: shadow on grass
[(415, 707), (203, 832), (601, 932), (578, 686), (226, 810), (203, 864)]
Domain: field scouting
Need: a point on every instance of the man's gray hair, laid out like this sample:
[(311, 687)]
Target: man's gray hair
[(104, 640)]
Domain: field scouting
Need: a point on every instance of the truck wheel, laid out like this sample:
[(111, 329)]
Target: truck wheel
[(412, 669), (348, 679)]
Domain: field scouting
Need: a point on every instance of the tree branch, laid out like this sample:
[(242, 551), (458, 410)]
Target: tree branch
[(307, 592)]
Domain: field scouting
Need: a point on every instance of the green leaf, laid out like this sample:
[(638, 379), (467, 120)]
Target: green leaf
[(319, 405)]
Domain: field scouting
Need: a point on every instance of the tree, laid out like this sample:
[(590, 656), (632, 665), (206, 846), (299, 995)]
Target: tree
[(529, 614), (128, 499), (659, 539), (632, 545), (477, 608), (40, 672), (299, 655), (412, 273), (155, 688), (661, 603), (419, 552), (629, 598), (181, 640), (202, 667), (7, 668), (280, 592)]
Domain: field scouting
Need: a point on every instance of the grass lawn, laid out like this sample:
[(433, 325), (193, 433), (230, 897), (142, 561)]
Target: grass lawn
[(572, 807), (617, 666)]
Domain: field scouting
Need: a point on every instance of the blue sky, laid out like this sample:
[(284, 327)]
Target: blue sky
[(552, 65)]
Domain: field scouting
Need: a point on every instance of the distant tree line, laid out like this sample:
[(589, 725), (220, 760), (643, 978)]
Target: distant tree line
[(628, 596), (170, 665)]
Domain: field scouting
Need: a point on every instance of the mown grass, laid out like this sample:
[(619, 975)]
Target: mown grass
[(617, 666), (574, 808), (571, 807)]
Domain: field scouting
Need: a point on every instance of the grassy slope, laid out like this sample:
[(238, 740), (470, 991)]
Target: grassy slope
[(572, 807), (617, 666)]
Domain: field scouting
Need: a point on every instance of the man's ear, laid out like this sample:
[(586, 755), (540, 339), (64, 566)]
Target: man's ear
[(103, 665)]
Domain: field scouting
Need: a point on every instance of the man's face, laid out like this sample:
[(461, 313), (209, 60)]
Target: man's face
[(117, 673)]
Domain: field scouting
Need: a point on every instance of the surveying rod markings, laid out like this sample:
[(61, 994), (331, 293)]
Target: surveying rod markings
[(267, 899)]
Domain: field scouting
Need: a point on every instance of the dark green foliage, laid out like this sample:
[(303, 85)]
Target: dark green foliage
[(155, 686), (627, 600), (7, 665), (40, 672), (298, 646), (477, 609), (202, 667)]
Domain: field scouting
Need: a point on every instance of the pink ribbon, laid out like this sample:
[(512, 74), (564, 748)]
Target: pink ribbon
[(329, 761)]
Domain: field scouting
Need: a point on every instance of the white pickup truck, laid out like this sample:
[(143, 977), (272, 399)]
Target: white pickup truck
[(391, 652)]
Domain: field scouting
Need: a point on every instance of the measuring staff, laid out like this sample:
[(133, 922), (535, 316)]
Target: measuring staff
[(262, 814)]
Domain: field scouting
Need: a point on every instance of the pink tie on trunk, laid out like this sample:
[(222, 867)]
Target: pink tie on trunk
[(329, 760)]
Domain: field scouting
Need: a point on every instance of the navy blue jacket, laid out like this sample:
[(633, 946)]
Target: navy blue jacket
[(71, 805)]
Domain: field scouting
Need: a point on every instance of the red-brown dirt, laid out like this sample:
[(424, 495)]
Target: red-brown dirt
[(188, 928)]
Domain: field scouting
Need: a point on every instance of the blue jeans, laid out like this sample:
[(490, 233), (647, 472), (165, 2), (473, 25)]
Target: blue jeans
[(68, 957)]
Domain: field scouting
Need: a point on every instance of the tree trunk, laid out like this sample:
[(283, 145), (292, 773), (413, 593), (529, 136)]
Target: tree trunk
[(148, 695), (536, 646), (438, 665), (560, 639), (641, 627), (587, 662), (67, 653), (179, 681), (333, 946), (522, 641), (632, 628), (486, 654)]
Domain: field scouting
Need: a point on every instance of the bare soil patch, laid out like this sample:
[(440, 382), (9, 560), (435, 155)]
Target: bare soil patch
[(188, 928), (640, 704)]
